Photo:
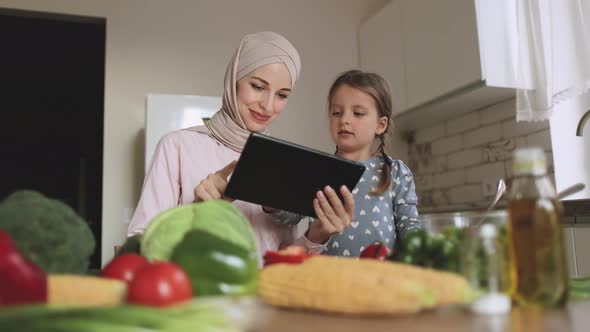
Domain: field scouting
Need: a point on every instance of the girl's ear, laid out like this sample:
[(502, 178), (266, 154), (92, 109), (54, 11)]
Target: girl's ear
[(381, 125)]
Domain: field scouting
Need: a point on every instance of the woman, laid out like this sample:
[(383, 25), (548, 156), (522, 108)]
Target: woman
[(193, 164)]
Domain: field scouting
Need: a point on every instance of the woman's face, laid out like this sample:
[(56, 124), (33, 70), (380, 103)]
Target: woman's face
[(262, 95)]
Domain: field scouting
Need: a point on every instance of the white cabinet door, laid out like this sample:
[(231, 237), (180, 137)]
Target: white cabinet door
[(441, 48), (381, 50)]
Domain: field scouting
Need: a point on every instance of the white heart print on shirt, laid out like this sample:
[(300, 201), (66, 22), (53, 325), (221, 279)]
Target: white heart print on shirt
[(335, 244), (375, 223), (354, 224), (346, 252)]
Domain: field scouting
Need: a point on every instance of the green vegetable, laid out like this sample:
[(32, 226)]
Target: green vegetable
[(196, 316), (131, 245), (439, 251), (216, 266), (217, 217), (47, 232)]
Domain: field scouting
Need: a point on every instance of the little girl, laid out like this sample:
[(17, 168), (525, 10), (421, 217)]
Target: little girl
[(360, 109)]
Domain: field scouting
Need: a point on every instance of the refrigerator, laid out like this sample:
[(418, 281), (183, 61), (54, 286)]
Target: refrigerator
[(168, 112)]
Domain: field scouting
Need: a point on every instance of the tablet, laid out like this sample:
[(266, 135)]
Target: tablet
[(282, 175)]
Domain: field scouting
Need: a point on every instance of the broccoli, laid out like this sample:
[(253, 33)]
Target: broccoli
[(47, 231)]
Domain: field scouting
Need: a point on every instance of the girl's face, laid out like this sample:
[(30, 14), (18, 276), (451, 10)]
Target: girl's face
[(262, 95), (355, 120)]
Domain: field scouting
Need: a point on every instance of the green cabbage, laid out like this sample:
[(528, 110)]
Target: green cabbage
[(217, 217)]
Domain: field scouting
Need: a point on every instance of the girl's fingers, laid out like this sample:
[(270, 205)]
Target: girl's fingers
[(335, 201), (348, 201), (322, 218), (325, 205)]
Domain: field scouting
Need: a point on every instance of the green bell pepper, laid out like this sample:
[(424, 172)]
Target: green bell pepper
[(216, 266)]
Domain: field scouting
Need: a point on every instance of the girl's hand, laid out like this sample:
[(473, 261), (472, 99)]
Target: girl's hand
[(333, 215), (213, 186)]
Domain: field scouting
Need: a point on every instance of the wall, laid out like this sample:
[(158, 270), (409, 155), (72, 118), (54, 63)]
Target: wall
[(457, 163), (182, 47)]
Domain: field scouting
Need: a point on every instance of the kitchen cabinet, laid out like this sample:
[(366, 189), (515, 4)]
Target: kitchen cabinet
[(440, 47), (432, 53), (381, 51)]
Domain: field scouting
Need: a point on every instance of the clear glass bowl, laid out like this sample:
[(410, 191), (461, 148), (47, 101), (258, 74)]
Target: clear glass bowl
[(484, 251), (436, 223)]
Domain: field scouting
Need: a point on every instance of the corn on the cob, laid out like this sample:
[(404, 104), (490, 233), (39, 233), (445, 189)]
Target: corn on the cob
[(84, 290), (358, 286), (340, 285), (447, 287)]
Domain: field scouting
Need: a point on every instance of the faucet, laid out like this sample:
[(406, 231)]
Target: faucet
[(582, 122)]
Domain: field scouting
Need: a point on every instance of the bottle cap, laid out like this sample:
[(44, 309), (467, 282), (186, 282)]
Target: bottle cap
[(529, 161)]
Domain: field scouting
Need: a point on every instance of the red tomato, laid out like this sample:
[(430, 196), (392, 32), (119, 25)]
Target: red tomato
[(160, 284), (124, 267)]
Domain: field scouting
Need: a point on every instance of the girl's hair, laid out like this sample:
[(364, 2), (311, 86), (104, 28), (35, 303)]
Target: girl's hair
[(378, 88)]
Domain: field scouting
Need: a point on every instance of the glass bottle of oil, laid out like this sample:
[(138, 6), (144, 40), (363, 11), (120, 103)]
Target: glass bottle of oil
[(538, 263)]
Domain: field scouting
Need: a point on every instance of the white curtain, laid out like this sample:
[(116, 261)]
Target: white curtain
[(552, 54)]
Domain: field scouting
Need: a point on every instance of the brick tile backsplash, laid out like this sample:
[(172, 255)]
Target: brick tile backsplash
[(511, 128), (485, 171), (448, 179), (443, 146), (483, 135), (540, 139), (465, 194), (430, 134), (465, 158), (452, 161)]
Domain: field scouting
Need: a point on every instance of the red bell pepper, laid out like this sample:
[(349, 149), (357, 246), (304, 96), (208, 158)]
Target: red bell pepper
[(376, 250), (21, 281), (289, 255)]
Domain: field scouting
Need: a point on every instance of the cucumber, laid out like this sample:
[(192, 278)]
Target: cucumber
[(190, 317)]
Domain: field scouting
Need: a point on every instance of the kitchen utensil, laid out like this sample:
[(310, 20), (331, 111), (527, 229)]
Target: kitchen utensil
[(561, 195), (571, 190), (499, 192)]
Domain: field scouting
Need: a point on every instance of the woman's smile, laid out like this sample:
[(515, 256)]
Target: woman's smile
[(259, 117)]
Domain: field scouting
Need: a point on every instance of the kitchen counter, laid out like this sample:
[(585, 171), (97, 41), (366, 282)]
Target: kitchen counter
[(575, 317)]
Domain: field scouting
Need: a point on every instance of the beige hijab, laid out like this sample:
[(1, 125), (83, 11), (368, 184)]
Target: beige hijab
[(256, 50)]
